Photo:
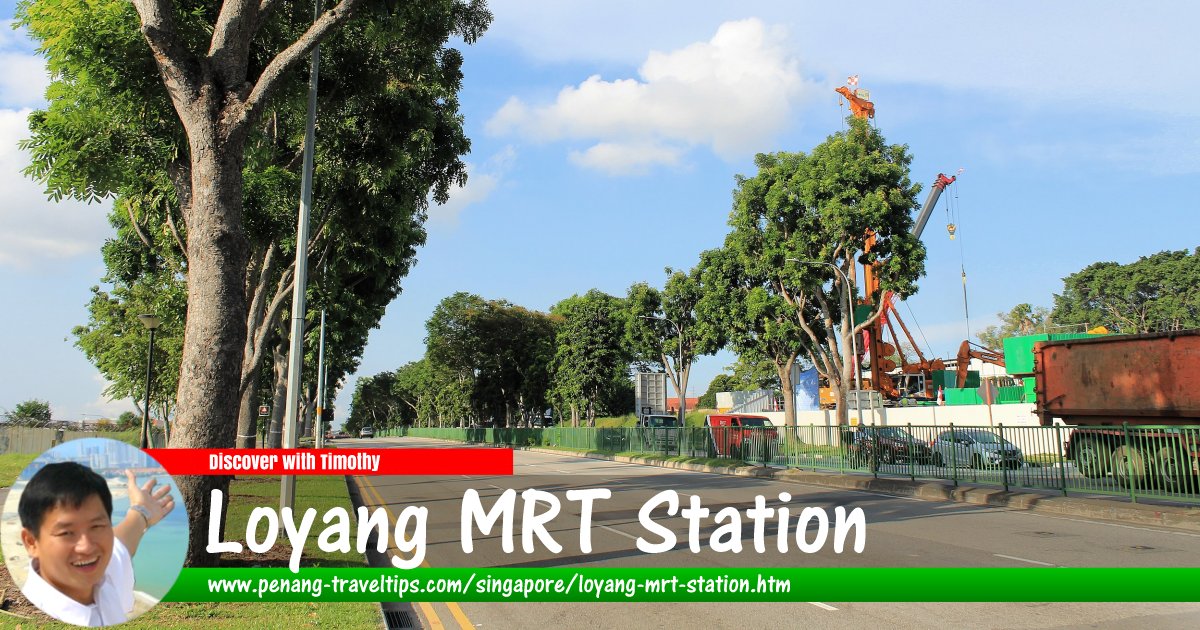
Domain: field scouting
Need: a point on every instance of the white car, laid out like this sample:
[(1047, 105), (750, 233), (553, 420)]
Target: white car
[(367, 432), (976, 448)]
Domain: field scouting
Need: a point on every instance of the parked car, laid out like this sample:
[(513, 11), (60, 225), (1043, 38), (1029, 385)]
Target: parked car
[(367, 432), (893, 443), (976, 448)]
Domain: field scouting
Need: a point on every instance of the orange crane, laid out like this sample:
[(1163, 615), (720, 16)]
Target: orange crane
[(880, 351), (860, 107)]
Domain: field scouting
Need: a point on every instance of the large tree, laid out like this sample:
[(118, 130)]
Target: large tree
[(821, 208), (1022, 319), (663, 324), (1156, 292), (503, 350), (591, 363), (174, 118)]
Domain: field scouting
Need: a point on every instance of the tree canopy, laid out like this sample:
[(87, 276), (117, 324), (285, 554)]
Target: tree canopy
[(185, 114), (820, 208), (1156, 292), (1022, 319)]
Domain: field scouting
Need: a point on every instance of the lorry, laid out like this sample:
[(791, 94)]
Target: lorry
[(659, 432), (742, 436), (650, 394), (1131, 399)]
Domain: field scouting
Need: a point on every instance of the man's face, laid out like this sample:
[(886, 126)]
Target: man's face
[(73, 547)]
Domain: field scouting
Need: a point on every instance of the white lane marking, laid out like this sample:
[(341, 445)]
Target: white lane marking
[(617, 531), (565, 472), (495, 486), (1045, 564), (822, 605)]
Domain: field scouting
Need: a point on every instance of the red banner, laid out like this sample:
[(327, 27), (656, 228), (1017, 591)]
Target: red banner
[(335, 461)]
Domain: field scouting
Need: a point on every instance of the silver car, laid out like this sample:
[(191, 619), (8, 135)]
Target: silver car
[(976, 448)]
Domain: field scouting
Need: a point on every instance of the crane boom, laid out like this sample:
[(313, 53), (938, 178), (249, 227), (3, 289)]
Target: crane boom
[(935, 193)]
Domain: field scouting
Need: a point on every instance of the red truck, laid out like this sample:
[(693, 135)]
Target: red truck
[(742, 436), (1133, 397)]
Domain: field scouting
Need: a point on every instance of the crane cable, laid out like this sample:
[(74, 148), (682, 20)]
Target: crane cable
[(953, 214)]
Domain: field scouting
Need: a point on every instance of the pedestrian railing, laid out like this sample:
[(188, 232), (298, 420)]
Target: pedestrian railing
[(1138, 462)]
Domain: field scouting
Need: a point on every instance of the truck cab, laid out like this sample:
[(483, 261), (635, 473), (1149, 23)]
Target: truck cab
[(660, 432), (743, 436)]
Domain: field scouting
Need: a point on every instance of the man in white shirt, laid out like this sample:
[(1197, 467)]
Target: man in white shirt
[(81, 568)]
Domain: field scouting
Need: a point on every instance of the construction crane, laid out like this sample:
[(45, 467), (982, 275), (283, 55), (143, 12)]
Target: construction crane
[(881, 364), (860, 107)]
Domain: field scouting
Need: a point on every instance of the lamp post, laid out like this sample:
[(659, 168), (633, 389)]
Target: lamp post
[(849, 313), (151, 322), (678, 366)]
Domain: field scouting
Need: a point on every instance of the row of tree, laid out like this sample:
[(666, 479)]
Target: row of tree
[(1154, 293), (772, 293)]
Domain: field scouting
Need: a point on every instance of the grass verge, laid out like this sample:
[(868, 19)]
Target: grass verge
[(11, 465)]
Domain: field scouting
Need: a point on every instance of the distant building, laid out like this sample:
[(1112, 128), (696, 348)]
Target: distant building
[(692, 403)]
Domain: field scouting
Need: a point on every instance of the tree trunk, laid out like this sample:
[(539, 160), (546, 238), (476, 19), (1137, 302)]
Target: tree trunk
[(789, 397), (279, 402), (215, 334), (248, 414)]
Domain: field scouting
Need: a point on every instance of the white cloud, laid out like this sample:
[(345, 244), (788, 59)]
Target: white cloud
[(731, 93), (481, 181), (32, 228), (1111, 54), (24, 80), (103, 405), (626, 159)]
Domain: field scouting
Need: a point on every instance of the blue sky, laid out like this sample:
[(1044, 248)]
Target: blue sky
[(607, 135)]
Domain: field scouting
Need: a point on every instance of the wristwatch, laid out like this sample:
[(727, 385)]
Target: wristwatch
[(140, 509)]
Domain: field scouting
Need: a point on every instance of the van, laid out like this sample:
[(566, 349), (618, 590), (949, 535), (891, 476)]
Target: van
[(742, 436)]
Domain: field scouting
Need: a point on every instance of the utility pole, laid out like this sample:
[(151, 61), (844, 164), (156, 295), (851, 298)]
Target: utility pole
[(287, 486)]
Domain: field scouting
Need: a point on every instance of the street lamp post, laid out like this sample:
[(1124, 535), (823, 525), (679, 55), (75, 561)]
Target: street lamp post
[(849, 313), (151, 322), (678, 366)]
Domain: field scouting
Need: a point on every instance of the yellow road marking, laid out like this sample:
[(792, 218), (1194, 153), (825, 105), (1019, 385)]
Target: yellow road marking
[(431, 615), (464, 622)]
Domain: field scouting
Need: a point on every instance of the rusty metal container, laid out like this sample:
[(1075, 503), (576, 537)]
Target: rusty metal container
[(1143, 379)]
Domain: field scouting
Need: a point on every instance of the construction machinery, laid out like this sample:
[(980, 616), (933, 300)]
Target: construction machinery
[(969, 350), (915, 379)]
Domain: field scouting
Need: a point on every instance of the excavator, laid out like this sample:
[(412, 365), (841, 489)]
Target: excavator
[(970, 350)]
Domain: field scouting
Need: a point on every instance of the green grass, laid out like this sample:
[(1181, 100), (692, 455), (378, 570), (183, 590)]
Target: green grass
[(11, 465)]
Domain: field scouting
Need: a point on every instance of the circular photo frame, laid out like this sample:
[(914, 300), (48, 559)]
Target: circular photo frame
[(86, 558)]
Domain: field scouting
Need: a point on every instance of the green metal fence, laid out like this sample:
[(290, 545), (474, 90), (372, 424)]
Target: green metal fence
[(1139, 462)]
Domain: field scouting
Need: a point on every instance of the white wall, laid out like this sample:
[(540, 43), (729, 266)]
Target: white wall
[(1013, 416)]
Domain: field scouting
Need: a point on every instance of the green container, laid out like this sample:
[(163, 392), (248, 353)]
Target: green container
[(962, 396), (1018, 351), (1018, 354), (1030, 387), (949, 378), (1010, 395)]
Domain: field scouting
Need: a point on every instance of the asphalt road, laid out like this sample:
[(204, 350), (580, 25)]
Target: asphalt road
[(901, 532)]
